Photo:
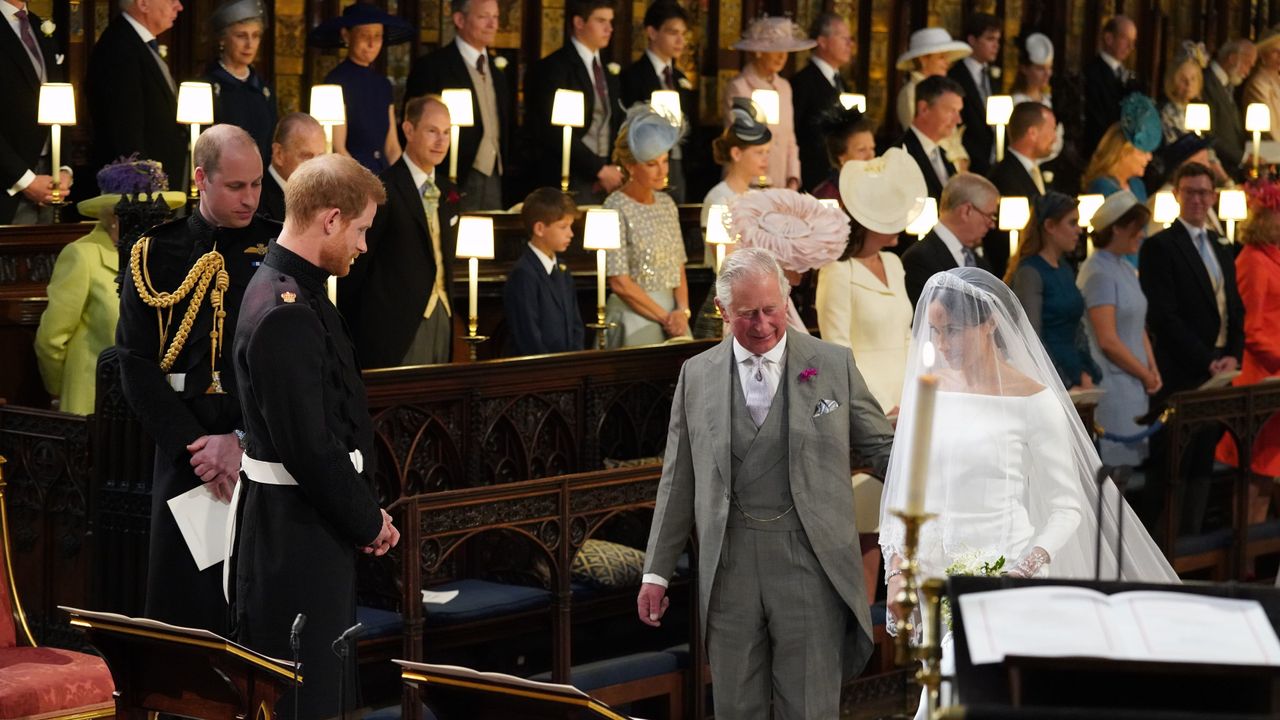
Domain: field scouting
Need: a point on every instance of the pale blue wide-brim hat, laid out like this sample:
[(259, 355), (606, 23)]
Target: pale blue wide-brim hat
[(650, 134)]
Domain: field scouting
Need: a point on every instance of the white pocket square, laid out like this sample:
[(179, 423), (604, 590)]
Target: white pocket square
[(453, 221), (824, 407), (58, 58)]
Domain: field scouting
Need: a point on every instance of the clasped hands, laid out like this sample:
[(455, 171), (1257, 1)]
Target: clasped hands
[(216, 461), (386, 539), (676, 323)]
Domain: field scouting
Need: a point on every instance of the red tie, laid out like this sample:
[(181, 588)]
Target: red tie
[(669, 78), (24, 29), (602, 90)]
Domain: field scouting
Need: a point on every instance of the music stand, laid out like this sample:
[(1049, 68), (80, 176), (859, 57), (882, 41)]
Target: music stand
[(458, 693)]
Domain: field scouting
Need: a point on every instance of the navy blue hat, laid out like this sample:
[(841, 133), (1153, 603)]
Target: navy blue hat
[(328, 34), (1170, 156)]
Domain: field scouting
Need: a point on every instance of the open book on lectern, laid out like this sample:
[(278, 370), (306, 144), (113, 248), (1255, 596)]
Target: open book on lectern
[(1065, 621)]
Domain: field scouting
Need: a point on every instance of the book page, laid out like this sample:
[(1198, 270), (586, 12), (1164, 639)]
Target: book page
[(1220, 380), (1184, 627), (1044, 621)]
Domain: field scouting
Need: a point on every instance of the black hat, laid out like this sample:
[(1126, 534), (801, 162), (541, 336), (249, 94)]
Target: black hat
[(328, 34), (1166, 159)]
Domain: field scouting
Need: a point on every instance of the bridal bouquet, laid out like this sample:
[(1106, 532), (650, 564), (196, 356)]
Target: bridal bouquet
[(972, 563)]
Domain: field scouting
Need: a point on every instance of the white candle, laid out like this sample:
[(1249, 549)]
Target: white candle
[(453, 155), (999, 143), (564, 158), (328, 138), (921, 436), (55, 139), (195, 135), (1257, 149), (332, 287), (719, 257), (473, 287), (1013, 243), (600, 279)]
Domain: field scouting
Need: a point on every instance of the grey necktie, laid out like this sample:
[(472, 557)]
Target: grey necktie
[(1210, 260), (970, 260), (939, 167), (164, 66), (757, 390)]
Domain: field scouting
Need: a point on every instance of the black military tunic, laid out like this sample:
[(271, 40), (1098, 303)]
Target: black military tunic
[(304, 407), (177, 592)]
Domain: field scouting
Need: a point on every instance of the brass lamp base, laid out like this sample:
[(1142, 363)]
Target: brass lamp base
[(602, 333), (473, 342)]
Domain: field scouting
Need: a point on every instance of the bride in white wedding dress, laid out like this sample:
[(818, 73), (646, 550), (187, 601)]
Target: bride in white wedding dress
[(1011, 470)]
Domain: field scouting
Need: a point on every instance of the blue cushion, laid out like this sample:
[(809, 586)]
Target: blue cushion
[(681, 654), (615, 671), (378, 623), (1206, 542), (1264, 530), (481, 599)]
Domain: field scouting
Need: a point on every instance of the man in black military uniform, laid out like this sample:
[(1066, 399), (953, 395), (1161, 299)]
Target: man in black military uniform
[(178, 308), (303, 495)]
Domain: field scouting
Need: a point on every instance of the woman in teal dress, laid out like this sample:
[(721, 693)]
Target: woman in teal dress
[(1046, 286)]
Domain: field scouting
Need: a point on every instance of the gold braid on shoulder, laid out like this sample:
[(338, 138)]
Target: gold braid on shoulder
[(210, 268)]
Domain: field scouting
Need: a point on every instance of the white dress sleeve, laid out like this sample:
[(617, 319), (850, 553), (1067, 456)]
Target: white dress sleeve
[(1054, 493)]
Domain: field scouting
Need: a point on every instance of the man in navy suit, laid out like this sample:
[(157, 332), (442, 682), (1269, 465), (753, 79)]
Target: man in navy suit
[(816, 89), (539, 301), (132, 96), (1107, 81), (1033, 129), (465, 64), (665, 25), (966, 213), (27, 59), (976, 75), (939, 101), (578, 65)]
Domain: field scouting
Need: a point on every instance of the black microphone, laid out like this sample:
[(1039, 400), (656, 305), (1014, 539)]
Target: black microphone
[(342, 643), (298, 623), (295, 644), (342, 648)]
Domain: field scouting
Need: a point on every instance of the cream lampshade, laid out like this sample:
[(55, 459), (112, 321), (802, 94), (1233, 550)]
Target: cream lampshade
[(1166, 208), (667, 103), (717, 233), (852, 100), (475, 242), (1089, 205), (999, 110), (57, 104), (602, 232), (925, 221), (1015, 212), (1232, 208), (1197, 118), (767, 102)]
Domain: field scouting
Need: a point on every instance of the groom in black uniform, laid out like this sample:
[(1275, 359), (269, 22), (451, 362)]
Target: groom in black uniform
[(304, 506)]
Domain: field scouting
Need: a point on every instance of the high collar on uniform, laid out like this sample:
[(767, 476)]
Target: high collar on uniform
[(291, 263)]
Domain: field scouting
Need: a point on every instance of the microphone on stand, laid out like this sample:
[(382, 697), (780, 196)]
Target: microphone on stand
[(342, 648), (295, 643)]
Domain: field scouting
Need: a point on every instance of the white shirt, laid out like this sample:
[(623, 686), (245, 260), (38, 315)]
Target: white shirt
[(469, 53), (1199, 235), (1115, 65), (589, 57), (660, 67), (548, 261), (952, 242), (146, 35), (979, 72), (420, 176), (285, 183), (825, 68), (1027, 163), (1221, 74), (772, 375)]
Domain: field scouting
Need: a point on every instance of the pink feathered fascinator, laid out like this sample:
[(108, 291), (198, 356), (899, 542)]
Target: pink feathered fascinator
[(802, 233)]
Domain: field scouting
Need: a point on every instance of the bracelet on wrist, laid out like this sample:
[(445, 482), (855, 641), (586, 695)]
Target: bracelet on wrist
[(892, 574)]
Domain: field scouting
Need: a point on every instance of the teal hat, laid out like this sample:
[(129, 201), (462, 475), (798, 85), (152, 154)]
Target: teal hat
[(1140, 122)]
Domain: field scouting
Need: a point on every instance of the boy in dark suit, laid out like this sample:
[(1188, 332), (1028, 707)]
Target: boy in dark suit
[(665, 26), (539, 301)]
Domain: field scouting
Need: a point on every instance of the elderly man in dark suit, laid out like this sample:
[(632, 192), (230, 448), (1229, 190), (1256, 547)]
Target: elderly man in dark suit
[(28, 58), (396, 298), (966, 212), (763, 426), (1196, 320), (1033, 128), (298, 138), (665, 25), (1107, 81), (939, 101), (1227, 72), (465, 64), (578, 65), (816, 89), (976, 74), (132, 96)]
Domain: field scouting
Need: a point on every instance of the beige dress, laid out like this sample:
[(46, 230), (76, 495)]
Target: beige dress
[(1263, 86), (784, 153)]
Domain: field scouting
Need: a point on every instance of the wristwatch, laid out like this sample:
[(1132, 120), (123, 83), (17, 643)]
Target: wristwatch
[(240, 438), (687, 313)]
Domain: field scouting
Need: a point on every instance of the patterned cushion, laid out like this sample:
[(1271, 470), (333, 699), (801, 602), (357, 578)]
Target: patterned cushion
[(37, 682), (608, 565)]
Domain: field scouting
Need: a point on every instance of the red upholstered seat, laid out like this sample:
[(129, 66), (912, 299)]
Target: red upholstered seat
[(41, 682)]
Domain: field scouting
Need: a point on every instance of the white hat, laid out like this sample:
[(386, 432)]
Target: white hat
[(886, 193), (1039, 49), (930, 40), (774, 34), (1113, 208)]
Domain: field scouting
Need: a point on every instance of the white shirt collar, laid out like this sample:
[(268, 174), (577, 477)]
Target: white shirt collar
[(588, 57), (1111, 62), (659, 66), (548, 262), (774, 356), (975, 69), (952, 242), (925, 142), (420, 176), (1222, 75), (141, 29), (1027, 162), (10, 11), (1192, 230), (280, 178), (825, 68), (469, 53)]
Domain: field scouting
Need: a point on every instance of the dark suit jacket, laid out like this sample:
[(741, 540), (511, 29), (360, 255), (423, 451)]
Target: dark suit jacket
[(639, 80), (271, 202), (811, 96), (1012, 180), (131, 104), (925, 258), (1103, 92), (385, 294), (541, 310), (1182, 314), (911, 144), (445, 68), (1227, 121), (564, 69), (978, 137), (21, 139)]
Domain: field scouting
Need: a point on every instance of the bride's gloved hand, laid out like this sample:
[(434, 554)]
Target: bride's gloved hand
[(1030, 563)]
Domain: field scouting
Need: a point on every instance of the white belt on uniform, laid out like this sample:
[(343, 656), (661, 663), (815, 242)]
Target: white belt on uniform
[(265, 473)]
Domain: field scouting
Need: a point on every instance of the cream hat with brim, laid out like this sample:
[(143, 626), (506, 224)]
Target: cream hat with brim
[(1113, 208), (96, 207), (774, 34), (884, 194), (932, 40)]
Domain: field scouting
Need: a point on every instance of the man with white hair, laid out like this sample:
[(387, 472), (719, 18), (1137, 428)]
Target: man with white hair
[(132, 96), (762, 430), (1227, 72)]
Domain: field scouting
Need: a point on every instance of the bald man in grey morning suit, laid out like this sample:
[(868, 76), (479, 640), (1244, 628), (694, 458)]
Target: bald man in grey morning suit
[(758, 458)]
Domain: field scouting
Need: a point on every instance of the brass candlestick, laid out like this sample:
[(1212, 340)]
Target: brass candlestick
[(928, 652), (602, 329), (473, 341)]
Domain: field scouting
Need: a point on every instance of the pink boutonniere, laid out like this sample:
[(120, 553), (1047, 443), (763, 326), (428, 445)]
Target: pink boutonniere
[(808, 374)]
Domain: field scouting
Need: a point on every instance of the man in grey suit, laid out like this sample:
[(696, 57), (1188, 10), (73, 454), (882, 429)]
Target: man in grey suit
[(1227, 72), (758, 458)]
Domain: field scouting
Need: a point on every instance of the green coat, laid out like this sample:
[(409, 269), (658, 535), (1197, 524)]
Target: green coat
[(80, 321)]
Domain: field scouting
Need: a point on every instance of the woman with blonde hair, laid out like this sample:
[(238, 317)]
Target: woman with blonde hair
[(1263, 85), (1046, 286), (930, 52)]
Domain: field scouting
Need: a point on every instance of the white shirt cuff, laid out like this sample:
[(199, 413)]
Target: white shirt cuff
[(655, 579), (27, 178)]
